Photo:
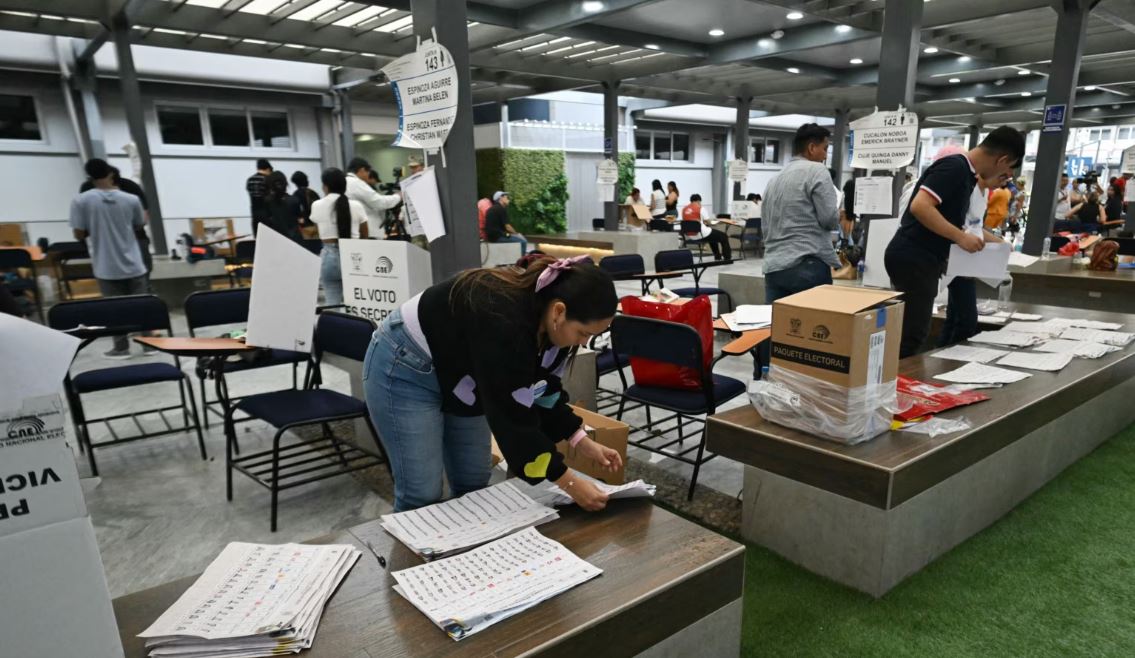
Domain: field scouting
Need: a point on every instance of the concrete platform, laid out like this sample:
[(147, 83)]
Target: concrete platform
[(174, 280)]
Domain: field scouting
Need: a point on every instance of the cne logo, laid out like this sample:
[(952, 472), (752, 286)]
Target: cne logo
[(821, 333), (357, 263), (383, 265), (25, 426), (794, 327)]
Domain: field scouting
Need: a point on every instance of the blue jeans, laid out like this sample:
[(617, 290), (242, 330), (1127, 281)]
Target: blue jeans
[(961, 312), (516, 239), (805, 275), (330, 275), (404, 400)]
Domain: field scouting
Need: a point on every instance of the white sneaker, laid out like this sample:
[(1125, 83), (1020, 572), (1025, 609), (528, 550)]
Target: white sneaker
[(117, 354)]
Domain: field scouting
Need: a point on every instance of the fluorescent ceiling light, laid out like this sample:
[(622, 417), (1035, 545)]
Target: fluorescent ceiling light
[(843, 29), (855, 60), (1023, 72), (1090, 88), (955, 81), (965, 58), (717, 32), (793, 69), (930, 50), (794, 16), (764, 43), (652, 46), (592, 6), (1026, 94)]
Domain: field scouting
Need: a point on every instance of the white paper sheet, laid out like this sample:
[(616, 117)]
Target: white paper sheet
[(1086, 324), (991, 319), (1117, 338), (1039, 328), (468, 593), (1081, 348), (978, 373), (1046, 361), (475, 518), (35, 358), (969, 353), (874, 195), (636, 489), (879, 235), (990, 263), (420, 190), (1017, 259), (753, 314), (1008, 338), (285, 291)]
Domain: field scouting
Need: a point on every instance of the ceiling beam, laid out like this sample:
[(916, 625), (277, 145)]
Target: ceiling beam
[(806, 37), (1119, 14), (553, 15)]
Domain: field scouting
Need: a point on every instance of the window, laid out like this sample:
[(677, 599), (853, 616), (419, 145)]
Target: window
[(270, 129), (1124, 133), (228, 127), (772, 151), (757, 150), (1105, 134), (180, 125), (1094, 135), (662, 145), (18, 119)]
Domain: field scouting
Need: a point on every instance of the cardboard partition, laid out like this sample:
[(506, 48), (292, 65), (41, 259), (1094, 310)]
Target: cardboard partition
[(210, 229), (608, 432)]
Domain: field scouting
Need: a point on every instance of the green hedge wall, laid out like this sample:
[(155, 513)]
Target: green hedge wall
[(536, 182), (626, 175)]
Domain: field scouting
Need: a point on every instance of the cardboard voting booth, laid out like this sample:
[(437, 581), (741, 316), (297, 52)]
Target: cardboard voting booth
[(834, 362), (381, 275), (635, 214)]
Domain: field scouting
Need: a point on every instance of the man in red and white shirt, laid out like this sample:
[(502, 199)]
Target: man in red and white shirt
[(716, 240)]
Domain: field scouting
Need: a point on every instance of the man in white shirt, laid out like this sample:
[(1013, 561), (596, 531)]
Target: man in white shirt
[(1063, 199), (358, 190)]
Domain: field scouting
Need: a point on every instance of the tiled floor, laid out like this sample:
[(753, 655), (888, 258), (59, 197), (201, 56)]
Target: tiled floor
[(160, 511)]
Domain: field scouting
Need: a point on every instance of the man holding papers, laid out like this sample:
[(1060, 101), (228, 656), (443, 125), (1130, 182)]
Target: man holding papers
[(917, 255)]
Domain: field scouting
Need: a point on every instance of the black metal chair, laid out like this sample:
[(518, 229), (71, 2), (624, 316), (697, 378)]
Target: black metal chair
[(62, 254), (691, 235), (212, 308), (137, 313), (285, 467), (1126, 246), (753, 236), (240, 266), (680, 345), (598, 224), (681, 260), (13, 261)]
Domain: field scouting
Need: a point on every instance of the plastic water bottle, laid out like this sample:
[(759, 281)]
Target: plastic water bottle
[(861, 267), (1045, 247), (1004, 292)]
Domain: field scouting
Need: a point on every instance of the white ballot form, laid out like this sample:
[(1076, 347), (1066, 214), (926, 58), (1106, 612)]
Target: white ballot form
[(1046, 361), (969, 353), (1081, 348), (992, 262), (979, 373)]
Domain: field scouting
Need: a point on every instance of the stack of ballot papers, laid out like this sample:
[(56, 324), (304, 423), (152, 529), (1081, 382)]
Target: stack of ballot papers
[(969, 353), (1081, 348), (1009, 338), (253, 600), (748, 317), (548, 493), (1116, 338), (468, 593), (1016, 315), (471, 520), (979, 373), (1086, 324), (1047, 361), (1038, 328)]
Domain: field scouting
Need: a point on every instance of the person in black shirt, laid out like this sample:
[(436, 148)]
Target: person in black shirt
[(484, 352), (304, 196), (1113, 209), (283, 211), (935, 218), (257, 188), (497, 226), (1088, 214)]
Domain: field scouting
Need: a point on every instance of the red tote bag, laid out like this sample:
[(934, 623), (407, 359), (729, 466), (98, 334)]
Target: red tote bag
[(698, 314)]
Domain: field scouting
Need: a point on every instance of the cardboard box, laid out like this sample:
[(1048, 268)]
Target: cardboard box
[(846, 337), (12, 235), (608, 432)]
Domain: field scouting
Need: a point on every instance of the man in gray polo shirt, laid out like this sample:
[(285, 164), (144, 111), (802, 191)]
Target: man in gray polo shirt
[(110, 220), (800, 212)]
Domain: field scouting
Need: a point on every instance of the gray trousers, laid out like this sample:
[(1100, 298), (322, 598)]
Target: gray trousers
[(139, 285)]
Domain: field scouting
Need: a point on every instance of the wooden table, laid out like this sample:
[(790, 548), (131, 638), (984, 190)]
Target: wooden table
[(1087, 289), (34, 251), (669, 587), (872, 514)]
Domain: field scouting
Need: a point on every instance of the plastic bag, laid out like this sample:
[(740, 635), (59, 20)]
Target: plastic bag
[(937, 426), (696, 313), (847, 415)]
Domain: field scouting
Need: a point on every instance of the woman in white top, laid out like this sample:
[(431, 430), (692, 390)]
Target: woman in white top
[(658, 208), (336, 217)]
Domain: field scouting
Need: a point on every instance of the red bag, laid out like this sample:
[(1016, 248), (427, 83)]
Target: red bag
[(696, 313), (929, 399), (1070, 249)]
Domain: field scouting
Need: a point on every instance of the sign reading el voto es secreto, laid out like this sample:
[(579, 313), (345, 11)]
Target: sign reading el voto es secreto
[(425, 87), (884, 140)]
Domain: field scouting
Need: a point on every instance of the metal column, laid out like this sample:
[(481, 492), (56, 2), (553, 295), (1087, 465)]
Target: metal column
[(346, 126), (1063, 73), (839, 146), (741, 136), (898, 64), (85, 83), (457, 181), (974, 135), (136, 120), (611, 148)]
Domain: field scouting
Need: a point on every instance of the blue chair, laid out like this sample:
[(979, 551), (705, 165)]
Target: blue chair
[(678, 260), (139, 313), (752, 236), (309, 460), (691, 235), (623, 267), (680, 345), (13, 261), (212, 308)]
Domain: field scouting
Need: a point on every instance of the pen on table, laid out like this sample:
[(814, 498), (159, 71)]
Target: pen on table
[(381, 560)]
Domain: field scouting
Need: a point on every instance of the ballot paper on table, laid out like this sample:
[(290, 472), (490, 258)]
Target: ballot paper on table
[(1008, 338), (1017, 259), (1117, 338), (253, 600), (1081, 348), (979, 373), (548, 493), (35, 358), (990, 263), (285, 291), (1038, 328), (467, 593), (1046, 361), (1016, 315), (461, 523), (753, 314), (420, 192), (992, 319), (1085, 324), (969, 353)]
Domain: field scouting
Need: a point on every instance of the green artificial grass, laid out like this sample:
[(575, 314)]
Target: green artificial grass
[(1054, 577)]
